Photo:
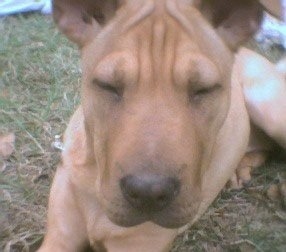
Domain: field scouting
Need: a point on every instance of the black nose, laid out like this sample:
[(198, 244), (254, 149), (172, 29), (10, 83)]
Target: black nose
[(149, 193)]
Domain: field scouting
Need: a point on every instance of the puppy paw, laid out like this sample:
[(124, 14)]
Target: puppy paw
[(242, 175), (240, 178)]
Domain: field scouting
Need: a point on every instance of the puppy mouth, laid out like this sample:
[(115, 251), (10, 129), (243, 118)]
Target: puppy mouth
[(164, 219)]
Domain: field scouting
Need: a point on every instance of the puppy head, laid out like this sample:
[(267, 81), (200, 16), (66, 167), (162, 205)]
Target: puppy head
[(156, 91)]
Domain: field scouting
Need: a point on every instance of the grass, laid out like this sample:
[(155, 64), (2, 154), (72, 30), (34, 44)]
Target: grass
[(39, 81)]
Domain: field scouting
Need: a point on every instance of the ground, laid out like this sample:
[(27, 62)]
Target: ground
[(39, 83)]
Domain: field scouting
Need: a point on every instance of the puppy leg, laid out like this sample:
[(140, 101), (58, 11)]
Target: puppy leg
[(66, 228), (265, 94)]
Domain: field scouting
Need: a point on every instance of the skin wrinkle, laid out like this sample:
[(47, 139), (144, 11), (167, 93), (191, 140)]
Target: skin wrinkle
[(139, 62), (154, 45), (158, 44), (156, 51), (144, 13), (134, 14), (139, 14), (150, 53), (171, 57), (189, 23)]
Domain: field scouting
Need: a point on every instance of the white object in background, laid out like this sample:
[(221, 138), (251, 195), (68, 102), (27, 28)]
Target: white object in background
[(284, 10), (8, 7), (47, 9), (272, 32)]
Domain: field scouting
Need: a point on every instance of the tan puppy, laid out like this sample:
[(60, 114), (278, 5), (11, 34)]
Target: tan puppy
[(162, 125)]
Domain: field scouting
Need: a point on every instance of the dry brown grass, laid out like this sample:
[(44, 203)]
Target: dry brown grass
[(39, 80)]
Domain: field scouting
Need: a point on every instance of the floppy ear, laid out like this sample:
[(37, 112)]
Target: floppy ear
[(80, 20), (234, 20)]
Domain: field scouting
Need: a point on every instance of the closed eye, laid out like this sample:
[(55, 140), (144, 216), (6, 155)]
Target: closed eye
[(205, 91), (113, 89), (197, 95)]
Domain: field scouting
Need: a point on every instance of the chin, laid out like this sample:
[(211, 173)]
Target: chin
[(172, 222)]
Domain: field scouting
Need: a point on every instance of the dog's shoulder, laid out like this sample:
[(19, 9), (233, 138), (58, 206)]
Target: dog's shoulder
[(75, 149)]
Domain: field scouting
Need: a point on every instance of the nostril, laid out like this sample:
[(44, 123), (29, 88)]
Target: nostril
[(149, 192)]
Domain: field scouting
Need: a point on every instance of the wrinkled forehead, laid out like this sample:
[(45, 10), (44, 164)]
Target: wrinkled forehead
[(163, 26)]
